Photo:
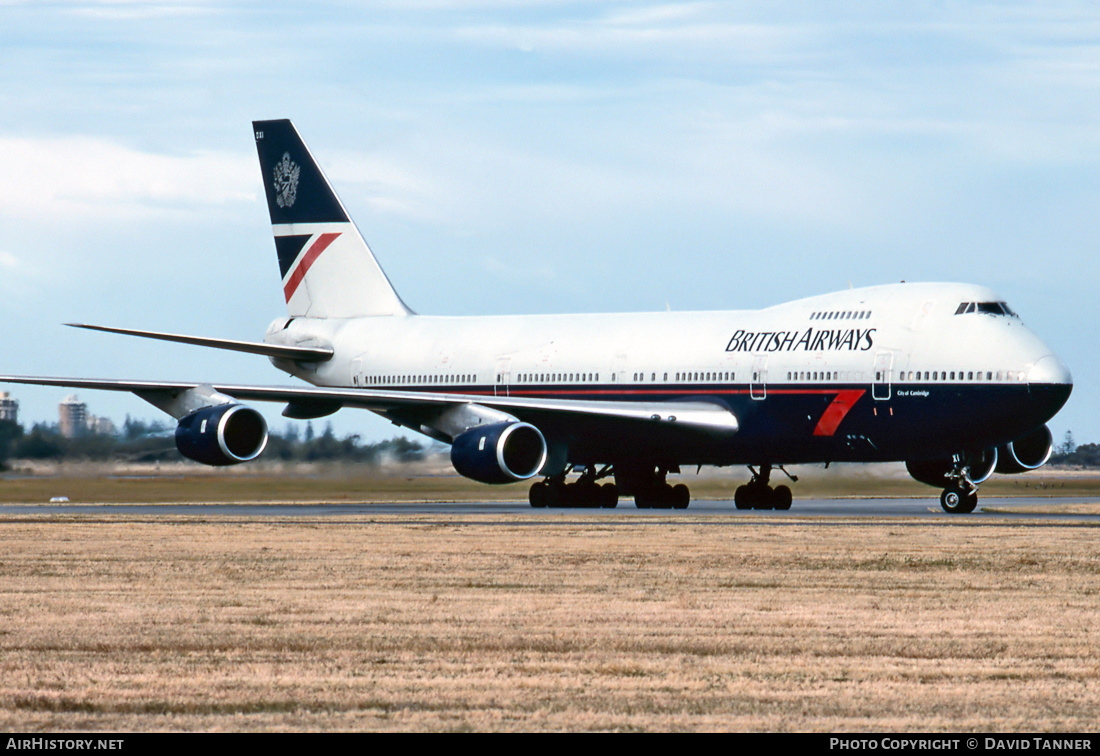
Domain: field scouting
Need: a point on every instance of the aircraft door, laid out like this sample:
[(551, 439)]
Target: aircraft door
[(884, 368), (618, 374), (502, 386), (758, 386)]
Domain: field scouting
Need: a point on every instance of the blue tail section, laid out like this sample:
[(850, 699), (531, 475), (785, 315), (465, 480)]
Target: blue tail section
[(327, 268), (297, 191)]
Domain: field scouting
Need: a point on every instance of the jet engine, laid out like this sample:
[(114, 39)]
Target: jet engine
[(499, 453), (933, 472), (225, 434), (1026, 453)]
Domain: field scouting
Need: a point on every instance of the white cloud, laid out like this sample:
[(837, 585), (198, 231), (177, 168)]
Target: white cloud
[(386, 182), (650, 38), (128, 10), (71, 178)]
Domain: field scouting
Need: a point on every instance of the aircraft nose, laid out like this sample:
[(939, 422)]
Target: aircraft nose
[(1049, 384), (1049, 371)]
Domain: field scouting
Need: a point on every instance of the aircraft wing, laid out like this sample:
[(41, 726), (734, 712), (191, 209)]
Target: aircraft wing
[(701, 416)]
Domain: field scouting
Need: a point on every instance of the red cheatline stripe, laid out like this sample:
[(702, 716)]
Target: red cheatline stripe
[(836, 411), (302, 268), (546, 393)]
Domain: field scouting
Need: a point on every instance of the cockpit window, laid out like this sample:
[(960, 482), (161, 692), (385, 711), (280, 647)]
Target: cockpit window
[(987, 308)]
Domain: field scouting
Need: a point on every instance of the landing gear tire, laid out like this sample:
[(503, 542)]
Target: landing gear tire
[(782, 497), (956, 500), (654, 497), (583, 494), (681, 496), (609, 496), (539, 495)]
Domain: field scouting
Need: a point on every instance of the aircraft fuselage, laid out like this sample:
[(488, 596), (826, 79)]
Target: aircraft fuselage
[(883, 373)]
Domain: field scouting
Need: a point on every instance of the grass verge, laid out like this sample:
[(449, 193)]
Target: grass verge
[(432, 623)]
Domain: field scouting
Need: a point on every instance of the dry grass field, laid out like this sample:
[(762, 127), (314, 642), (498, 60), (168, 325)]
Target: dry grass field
[(555, 622)]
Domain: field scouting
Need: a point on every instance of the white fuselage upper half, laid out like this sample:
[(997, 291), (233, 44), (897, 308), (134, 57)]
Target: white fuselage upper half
[(882, 373), (844, 337)]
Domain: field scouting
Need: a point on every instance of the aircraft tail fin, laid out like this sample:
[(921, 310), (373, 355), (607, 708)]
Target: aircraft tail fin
[(328, 270)]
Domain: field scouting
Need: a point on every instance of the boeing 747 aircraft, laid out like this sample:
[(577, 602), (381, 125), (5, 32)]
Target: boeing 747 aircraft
[(944, 377)]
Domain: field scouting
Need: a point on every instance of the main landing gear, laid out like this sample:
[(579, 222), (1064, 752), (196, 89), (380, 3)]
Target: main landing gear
[(757, 494), (655, 493), (647, 485), (585, 492)]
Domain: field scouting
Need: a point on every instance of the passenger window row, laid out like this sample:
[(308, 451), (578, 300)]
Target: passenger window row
[(841, 315), (825, 375), (554, 378), (963, 375), (419, 380), (706, 376)]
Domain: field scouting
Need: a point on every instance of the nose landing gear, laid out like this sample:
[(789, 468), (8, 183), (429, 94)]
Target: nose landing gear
[(957, 500), (960, 496)]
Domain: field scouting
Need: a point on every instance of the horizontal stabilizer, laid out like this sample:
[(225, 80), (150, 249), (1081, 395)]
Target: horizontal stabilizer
[(301, 354)]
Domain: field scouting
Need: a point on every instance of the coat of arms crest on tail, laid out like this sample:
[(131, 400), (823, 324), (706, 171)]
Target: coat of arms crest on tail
[(286, 181)]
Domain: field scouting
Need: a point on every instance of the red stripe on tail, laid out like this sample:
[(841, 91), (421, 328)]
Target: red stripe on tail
[(304, 264)]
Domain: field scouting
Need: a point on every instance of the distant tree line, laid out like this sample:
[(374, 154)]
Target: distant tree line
[(1068, 453), (1085, 455), (141, 441)]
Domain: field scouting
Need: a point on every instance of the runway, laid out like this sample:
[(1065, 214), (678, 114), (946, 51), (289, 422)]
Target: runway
[(1033, 509)]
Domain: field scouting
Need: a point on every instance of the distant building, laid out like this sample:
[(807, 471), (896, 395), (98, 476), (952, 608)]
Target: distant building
[(100, 426), (9, 408), (74, 420), (72, 417)]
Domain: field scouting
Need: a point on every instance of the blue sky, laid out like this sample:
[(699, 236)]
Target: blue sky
[(521, 157)]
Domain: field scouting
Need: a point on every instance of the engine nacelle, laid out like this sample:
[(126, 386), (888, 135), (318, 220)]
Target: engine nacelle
[(499, 453), (933, 472), (1026, 453), (225, 434)]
